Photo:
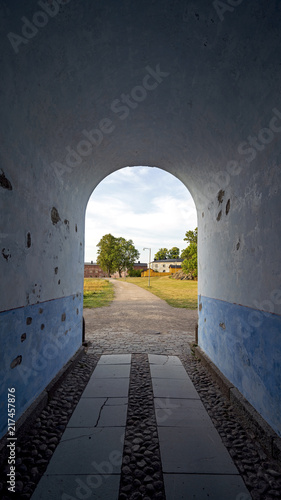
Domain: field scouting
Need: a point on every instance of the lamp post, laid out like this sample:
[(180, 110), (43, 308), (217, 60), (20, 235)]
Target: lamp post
[(148, 265)]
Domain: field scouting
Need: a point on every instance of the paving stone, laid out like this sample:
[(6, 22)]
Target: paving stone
[(194, 452), (98, 487), (204, 487), (168, 371), (92, 412), (156, 359), (79, 448), (114, 359), (172, 412), (107, 370), (165, 388), (107, 388)]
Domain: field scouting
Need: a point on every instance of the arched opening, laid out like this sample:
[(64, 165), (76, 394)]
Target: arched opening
[(148, 205), (154, 210)]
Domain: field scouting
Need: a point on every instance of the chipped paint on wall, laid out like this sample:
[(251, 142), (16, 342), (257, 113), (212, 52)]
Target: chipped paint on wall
[(34, 348), (245, 344)]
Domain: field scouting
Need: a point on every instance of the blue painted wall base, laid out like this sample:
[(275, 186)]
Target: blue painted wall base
[(245, 344), (36, 342)]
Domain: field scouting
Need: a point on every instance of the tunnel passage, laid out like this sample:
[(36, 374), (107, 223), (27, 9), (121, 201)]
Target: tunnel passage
[(190, 88)]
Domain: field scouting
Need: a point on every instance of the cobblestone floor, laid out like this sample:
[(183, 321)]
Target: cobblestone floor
[(261, 475), (173, 343)]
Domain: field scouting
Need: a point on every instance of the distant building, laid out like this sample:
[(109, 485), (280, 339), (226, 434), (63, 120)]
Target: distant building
[(93, 270), (137, 266), (162, 266), (140, 265), (174, 268)]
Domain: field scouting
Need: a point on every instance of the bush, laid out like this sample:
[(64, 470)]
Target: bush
[(135, 273), (180, 275), (189, 265)]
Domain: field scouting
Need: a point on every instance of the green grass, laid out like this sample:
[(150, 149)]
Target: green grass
[(177, 293), (97, 292)]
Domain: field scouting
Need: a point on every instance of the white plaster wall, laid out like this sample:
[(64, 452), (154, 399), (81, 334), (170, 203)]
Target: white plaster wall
[(219, 87)]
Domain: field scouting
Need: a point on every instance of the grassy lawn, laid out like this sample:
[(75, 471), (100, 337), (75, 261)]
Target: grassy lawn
[(177, 293), (97, 292)]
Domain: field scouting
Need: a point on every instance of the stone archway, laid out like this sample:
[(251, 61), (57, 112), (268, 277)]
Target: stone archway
[(145, 204), (87, 89)]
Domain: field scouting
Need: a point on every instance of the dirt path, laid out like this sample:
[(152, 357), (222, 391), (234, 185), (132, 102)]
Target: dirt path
[(135, 316)]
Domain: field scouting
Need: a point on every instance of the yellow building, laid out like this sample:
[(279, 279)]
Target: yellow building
[(163, 266)]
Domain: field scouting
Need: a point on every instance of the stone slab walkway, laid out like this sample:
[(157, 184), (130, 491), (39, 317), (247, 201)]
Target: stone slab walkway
[(87, 461), (195, 462)]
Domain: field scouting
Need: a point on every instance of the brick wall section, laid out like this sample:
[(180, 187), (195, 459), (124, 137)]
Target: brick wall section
[(93, 270)]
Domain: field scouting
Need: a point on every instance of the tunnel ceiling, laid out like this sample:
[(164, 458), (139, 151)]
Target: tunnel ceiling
[(199, 78)]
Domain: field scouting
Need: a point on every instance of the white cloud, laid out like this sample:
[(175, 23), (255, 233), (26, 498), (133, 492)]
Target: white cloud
[(147, 205)]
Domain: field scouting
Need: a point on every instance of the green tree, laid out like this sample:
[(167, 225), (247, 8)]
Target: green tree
[(125, 254), (106, 258), (116, 254), (161, 254), (189, 264), (189, 254), (174, 253), (191, 236)]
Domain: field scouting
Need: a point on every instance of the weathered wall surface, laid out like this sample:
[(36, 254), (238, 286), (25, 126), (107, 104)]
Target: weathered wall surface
[(88, 88)]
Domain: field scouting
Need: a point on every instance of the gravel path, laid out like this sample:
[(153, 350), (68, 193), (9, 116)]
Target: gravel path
[(136, 320), (123, 333)]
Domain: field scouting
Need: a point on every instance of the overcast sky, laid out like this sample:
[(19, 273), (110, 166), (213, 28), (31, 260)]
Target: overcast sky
[(144, 204)]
